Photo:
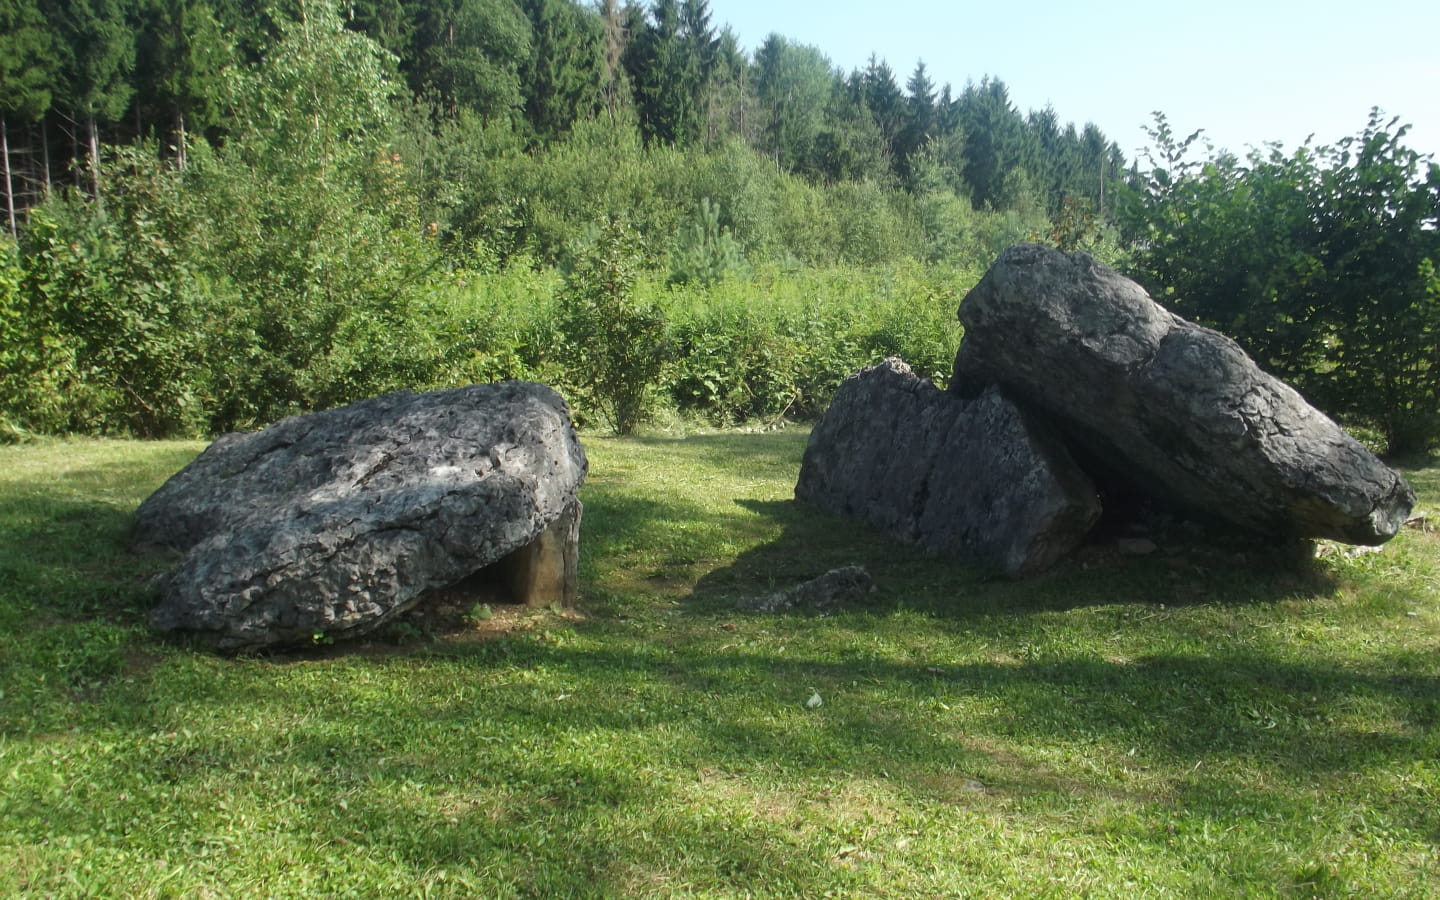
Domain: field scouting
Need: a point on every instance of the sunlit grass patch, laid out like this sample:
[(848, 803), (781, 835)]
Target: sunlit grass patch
[(1140, 727)]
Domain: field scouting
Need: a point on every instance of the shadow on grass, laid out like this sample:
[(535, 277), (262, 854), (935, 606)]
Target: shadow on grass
[(812, 542), (71, 559), (578, 768), (1176, 709)]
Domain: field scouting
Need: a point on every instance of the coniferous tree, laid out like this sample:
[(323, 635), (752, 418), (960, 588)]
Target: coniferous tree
[(849, 147), (181, 52), (793, 82), (920, 116), (472, 54), (996, 144), (615, 35), (1094, 172), (26, 48), (886, 103), (253, 26), (701, 52), (663, 70), (389, 23), (731, 97), (947, 112), (565, 80), (938, 167), (97, 59)]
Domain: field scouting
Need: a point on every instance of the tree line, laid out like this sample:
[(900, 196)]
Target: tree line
[(76, 75), (220, 212)]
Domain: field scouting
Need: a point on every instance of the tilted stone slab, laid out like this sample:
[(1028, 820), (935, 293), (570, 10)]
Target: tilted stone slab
[(1179, 409), (332, 523), (966, 478)]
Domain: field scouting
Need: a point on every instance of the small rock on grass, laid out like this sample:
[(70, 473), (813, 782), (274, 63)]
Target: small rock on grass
[(824, 594)]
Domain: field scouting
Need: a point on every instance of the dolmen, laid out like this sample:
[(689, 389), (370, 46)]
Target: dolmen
[(1073, 388), (328, 525)]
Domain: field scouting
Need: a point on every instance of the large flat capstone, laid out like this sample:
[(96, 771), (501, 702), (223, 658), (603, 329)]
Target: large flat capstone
[(329, 524), (1179, 410)]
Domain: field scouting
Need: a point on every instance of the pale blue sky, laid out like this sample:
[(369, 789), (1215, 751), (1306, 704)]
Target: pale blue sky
[(1248, 73)]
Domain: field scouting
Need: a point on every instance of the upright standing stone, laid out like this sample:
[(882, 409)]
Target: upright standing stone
[(968, 478)]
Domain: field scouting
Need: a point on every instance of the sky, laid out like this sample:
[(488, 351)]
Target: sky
[(1247, 73)]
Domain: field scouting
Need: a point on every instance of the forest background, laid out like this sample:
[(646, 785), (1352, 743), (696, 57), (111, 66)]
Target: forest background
[(220, 212)]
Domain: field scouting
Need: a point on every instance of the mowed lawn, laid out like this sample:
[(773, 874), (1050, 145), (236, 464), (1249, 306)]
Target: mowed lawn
[(1192, 723)]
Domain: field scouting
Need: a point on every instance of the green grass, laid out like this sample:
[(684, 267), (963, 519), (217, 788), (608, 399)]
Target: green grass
[(1186, 725)]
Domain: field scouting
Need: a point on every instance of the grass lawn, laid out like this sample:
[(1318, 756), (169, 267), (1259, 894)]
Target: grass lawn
[(1181, 724)]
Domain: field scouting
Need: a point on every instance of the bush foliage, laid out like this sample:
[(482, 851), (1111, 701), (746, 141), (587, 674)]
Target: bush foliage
[(343, 237), (1321, 263)]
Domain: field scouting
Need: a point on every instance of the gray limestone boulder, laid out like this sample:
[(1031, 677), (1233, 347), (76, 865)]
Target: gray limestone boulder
[(1179, 410), (972, 478), (329, 524)]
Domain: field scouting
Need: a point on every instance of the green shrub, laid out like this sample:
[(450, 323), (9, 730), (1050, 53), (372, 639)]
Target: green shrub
[(33, 360), (613, 347), (1321, 263), (494, 326), (780, 343), (732, 365), (109, 314)]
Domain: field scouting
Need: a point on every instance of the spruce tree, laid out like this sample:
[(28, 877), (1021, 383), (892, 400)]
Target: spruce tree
[(700, 49), (662, 70), (26, 48), (886, 103), (181, 52), (997, 144), (614, 37), (793, 82), (850, 146), (919, 116), (471, 54), (97, 60), (565, 80)]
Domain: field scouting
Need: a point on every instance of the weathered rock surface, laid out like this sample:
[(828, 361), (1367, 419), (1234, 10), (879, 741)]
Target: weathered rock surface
[(1178, 409), (335, 522), (972, 478)]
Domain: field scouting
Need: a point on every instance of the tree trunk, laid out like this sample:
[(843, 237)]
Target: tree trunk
[(75, 167), (45, 153), (9, 183), (179, 140), (94, 154)]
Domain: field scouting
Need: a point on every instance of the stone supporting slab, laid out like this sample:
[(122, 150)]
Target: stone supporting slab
[(544, 572)]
